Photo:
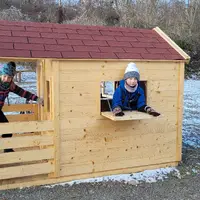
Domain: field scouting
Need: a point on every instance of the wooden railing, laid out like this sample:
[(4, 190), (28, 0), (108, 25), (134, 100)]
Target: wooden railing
[(33, 154), (32, 142), (21, 112)]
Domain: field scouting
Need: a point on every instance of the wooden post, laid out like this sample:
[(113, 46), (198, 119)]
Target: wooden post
[(38, 74), (42, 76), (20, 77), (41, 83), (47, 89), (56, 114), (180, 112)]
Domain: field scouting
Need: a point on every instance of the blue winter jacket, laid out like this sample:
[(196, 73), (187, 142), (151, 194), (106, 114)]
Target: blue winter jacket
[(127, 100)]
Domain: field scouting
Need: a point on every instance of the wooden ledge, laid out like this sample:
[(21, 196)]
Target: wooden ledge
[(129, 115)]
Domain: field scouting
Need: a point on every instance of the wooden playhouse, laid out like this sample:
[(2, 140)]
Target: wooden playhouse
[(74, 135)]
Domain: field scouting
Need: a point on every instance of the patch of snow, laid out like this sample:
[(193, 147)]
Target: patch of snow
[(195, 171), (148, 176), (191, 114), (109, 87)]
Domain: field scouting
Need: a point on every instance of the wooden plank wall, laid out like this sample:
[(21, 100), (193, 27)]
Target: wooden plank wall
[(91, 143)]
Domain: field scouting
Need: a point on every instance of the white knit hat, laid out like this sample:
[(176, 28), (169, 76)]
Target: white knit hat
[(132, 71)]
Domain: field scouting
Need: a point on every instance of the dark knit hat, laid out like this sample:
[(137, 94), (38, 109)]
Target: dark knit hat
[(132, 72), (8, 69)]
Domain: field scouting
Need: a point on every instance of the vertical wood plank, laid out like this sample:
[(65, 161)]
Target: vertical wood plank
[(47, 88), (38, 74), (46, 66), (180, 112), (46, 74), (20, 77), (42, 81), (56, 114), (36, 112)]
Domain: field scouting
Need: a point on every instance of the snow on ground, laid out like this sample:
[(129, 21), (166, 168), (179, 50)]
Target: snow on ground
[(191, 117), (148, 176)]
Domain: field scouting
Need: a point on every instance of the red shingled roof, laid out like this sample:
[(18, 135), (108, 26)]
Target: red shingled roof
[(43, 40)]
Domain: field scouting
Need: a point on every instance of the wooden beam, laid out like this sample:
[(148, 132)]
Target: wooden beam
[(26, 170), (6, 59), (26, 70), (134, 115), (16, 59), (38, 74), (180, 113), (45, 80), (26, 156), (33, 126), (172, 43), (24, 83), (21, 117), (116, 60), (56, 115), (26, 141), (40, 86), (42, 83), (19, 107)]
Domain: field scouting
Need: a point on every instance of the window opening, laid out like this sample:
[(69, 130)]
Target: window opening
[(107, 91), (25, 78)]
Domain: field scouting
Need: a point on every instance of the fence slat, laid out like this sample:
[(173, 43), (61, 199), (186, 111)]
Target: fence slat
[(26, 156), (21, 117), (33, 126), (19, 107), (26, 170), (26, 141)]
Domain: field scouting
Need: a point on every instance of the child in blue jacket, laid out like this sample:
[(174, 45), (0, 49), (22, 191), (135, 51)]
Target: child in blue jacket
[(129, 95), (7, 73)]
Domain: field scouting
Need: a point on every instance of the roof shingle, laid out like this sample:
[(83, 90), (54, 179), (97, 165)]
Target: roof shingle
[(47, 40)]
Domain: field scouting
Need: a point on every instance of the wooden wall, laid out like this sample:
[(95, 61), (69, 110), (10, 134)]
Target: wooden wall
[(90, 143), (86, 144)]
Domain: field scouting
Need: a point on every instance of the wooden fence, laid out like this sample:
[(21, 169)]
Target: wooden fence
[(32, 141), (21, 112)]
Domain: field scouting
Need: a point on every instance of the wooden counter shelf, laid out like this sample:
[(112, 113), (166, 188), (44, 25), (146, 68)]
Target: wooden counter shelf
[(129, 115)]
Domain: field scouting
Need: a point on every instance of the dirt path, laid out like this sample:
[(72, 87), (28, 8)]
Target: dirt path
[(173, 188)]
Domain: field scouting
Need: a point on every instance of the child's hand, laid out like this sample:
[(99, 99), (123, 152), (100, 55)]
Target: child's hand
[(151, 111), (40, 101), (118, 111), (120, 114)]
